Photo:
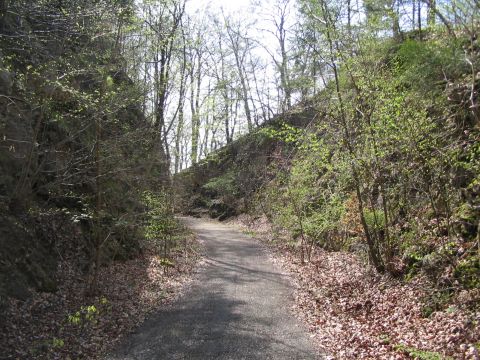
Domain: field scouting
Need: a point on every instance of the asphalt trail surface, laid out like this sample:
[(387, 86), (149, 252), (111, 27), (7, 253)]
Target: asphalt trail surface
[(237, 308)]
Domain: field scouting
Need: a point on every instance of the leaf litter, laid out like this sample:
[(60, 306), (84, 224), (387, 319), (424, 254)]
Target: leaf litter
[(68, 325), (352, 312)]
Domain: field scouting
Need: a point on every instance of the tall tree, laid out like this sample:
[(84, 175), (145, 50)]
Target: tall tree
[(239, 45), (279, 18), (164, 21), (196, 64)]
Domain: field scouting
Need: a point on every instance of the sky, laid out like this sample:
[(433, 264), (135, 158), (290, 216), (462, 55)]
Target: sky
[(193, 6), (243, 9), (261, 13)]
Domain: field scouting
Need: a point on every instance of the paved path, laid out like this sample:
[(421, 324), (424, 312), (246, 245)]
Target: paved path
[(238, 308)]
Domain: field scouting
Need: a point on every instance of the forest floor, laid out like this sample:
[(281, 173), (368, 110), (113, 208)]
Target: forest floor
[(241, 294), (353, 312), (68, 325)]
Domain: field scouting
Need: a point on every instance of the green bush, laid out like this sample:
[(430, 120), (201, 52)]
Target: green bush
[(160, 224), (467, 272), (222, 185), (419, 354)]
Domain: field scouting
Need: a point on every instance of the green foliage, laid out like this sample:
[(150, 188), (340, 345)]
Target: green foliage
[(166, 262), (420, 354), (307, 197), (224, 184), (435, 302), (160, 224), (375, 219), (86, 314), (250, 233), (467, 271), (422, 64), (58, 343), (286, 133), (394, 145)]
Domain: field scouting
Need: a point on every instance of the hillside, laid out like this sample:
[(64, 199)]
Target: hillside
[(392, 178), (415, 158), (222, 184)]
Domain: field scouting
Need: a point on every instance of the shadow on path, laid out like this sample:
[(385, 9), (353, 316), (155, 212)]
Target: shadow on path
[(236, 309)]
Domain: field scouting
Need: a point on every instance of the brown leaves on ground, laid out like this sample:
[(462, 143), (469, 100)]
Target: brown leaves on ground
[(66, 325), (353, 312)]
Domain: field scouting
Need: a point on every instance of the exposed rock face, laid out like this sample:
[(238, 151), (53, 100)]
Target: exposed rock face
[(46, 163), (6, 82), (27, 261), (220, 210)]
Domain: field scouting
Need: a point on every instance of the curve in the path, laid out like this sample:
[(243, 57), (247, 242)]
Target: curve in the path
[(238, 308)]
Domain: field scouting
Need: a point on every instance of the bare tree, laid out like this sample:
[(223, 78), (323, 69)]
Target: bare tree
[(239, 45)]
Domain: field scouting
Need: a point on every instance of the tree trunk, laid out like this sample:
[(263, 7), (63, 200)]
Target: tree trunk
[(432, 10), (97, 234), (373, 248)]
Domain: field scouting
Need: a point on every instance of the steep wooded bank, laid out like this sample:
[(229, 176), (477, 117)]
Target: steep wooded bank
[(222, 185), (388, 167), (69, 151), (87, 234), (408, 152)]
